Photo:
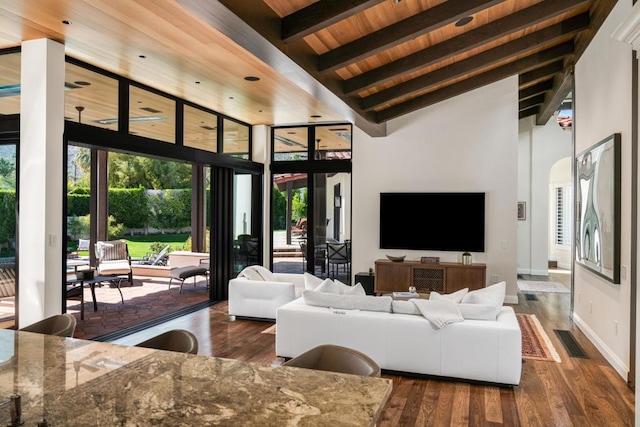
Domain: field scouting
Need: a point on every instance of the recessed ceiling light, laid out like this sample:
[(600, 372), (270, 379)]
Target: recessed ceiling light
[(65, 22), (291, 133), (252, 78), (82, 83), (464, 21), (231, 97), (142, 56), (197, 82)]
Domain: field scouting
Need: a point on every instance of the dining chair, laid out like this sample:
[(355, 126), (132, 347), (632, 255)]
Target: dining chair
[(62, 325), (179, 340), (338, 255), (336, 358)]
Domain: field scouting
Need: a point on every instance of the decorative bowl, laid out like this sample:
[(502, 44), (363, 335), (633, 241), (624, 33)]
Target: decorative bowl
[(396, 258)]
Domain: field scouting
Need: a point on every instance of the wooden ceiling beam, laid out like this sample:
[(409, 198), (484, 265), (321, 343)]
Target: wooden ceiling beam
[(499, 73), (531, 102), (528, 112), (536, 89), (555, 33), (544, 72), (522, 19), (319, 15), (431, 19), (562, 85)]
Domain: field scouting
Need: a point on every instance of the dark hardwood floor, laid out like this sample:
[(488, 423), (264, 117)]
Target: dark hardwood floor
[(575, 392)]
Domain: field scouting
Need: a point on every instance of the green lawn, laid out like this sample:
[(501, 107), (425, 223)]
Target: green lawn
[(140, 246)]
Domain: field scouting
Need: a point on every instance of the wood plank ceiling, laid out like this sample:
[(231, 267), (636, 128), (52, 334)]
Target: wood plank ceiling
[(386, 58), (366, 61)]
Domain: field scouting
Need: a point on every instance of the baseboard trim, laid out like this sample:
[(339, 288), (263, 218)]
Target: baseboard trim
[(611, 357), (533, 272)]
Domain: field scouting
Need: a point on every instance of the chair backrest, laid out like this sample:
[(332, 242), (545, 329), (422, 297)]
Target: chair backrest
[(62, 325), (175, 340), (111, 250), (337, 252), (83, 244), (336, 358)]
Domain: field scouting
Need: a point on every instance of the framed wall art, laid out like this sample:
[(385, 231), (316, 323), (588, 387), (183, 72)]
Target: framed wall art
[(597, 231)]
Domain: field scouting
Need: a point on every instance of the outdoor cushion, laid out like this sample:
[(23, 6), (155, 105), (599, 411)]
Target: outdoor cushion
[(187, 271), (114, 267)]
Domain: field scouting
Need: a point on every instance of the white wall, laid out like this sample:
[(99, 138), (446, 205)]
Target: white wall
[(602, 107), (468, 143), (539, 148), (560, 176)]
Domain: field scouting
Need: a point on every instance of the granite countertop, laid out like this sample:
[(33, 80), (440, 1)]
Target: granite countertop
[(82, 383)]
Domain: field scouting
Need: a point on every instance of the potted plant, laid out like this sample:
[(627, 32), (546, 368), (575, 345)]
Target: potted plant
[(466, 258)]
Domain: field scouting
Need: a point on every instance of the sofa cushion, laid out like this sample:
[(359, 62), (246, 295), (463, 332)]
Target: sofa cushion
[(455, 297), (492, 295), (468, 311), (347, 302), (405, 307), (311, 282)]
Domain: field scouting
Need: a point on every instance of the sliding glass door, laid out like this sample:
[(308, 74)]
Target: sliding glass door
[(8, 265)]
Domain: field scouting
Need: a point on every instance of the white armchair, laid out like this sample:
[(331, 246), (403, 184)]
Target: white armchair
[(251, 295)]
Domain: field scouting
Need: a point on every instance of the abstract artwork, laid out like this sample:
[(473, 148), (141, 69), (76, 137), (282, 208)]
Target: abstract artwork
[(597, 231)]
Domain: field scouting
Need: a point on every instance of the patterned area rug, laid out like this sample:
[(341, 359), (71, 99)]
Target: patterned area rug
[(536, 344), (540, 286)]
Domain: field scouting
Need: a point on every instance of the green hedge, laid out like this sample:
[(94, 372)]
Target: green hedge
[(129, 206), (7, 215), (78, 204)]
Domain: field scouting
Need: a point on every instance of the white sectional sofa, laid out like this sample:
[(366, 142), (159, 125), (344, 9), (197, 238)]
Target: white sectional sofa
[(481, 350), (260, 298)]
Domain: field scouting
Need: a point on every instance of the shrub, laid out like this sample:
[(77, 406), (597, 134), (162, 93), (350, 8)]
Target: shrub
[(7, 215), (78, 204), (171, 209), (129, 206)]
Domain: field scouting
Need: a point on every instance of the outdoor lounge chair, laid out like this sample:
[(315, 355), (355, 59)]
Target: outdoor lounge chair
[(114, 260), (300, 227), (159, 259)]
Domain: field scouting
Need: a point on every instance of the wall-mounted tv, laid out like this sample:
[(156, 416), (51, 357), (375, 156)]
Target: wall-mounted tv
[(432, 221)]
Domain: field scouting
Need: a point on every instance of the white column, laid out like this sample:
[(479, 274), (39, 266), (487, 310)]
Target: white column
[(40, 202)]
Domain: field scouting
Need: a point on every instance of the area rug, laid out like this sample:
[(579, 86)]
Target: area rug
[(536, 344), (270, 330), (540, 286)]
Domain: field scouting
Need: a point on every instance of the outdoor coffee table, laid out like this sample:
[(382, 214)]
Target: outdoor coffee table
[(74, 283)]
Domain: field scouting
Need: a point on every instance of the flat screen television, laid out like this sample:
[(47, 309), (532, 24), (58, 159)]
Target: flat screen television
[(432, 221)]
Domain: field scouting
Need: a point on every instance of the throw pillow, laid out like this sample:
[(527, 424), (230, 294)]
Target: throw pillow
[(251, 273), (478, 311), (328, 286), (492, 295), (311, 282), (357, 289), (454, 297), (266, 274), (343, 288)]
